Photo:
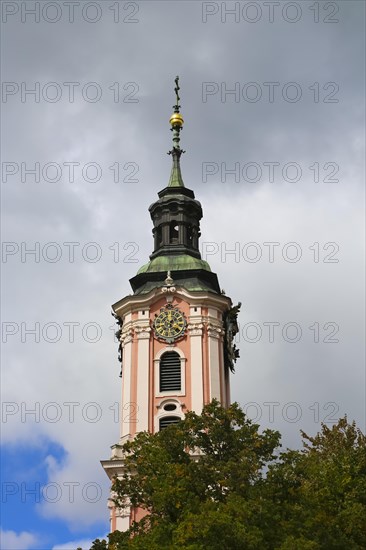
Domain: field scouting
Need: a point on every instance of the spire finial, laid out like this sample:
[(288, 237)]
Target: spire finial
[(176, 122)]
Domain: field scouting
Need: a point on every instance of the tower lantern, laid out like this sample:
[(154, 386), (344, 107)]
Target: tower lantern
[(176, 331)]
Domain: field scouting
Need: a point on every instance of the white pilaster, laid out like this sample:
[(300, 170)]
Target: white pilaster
[(143, 331), (127, 343), (195, 330), (214, 330), (123, 519)]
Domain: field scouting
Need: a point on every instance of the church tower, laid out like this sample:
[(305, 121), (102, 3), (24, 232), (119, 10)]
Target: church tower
[(176, 329)]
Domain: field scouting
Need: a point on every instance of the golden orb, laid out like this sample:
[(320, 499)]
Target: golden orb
[(176, 120)]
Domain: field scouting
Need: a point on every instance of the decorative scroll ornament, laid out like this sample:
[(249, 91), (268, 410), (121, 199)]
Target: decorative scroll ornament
[(126, 336), (195, 329), (231, 352), (214, 330), (142, 331)]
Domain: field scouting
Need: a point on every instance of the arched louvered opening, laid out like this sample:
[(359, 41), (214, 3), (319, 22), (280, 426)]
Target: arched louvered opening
[(173, 232), (167, 421), (189, 235), (170, 372)]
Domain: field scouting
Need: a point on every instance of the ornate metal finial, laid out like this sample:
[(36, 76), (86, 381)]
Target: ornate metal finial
[(176, 122)]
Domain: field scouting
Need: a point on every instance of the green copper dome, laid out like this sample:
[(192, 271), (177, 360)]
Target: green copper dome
[(173, 263)]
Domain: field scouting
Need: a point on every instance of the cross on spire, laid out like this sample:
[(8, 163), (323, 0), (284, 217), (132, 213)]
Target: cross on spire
[(176, 89)]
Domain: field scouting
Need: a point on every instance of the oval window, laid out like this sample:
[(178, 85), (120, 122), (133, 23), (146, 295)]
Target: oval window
[(170, 407)]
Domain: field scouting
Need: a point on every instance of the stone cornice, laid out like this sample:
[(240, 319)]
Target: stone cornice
[(113, 467), (135, 302), (141, 328)]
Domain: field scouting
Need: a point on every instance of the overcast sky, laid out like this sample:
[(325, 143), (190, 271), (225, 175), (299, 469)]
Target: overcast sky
[(272, 95)]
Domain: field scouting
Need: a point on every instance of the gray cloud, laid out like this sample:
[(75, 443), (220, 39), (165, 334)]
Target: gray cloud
[(170, 38)]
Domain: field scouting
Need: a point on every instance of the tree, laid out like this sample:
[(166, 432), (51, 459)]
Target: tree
[(98, 545), (214, 481), (322, 489)]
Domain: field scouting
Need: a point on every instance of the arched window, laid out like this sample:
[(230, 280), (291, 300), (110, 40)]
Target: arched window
[(173, 232), (189, 235), (170, 372), (167, 421)]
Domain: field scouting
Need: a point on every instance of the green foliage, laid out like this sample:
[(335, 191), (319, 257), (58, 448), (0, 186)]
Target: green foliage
[(99, 545), (214, 481), (322, 489)]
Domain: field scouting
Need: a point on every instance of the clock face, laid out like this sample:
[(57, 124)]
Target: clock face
[(169, 324)]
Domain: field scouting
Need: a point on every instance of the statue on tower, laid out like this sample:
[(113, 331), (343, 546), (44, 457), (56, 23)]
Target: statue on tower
[(118, 334), (231, 352)]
